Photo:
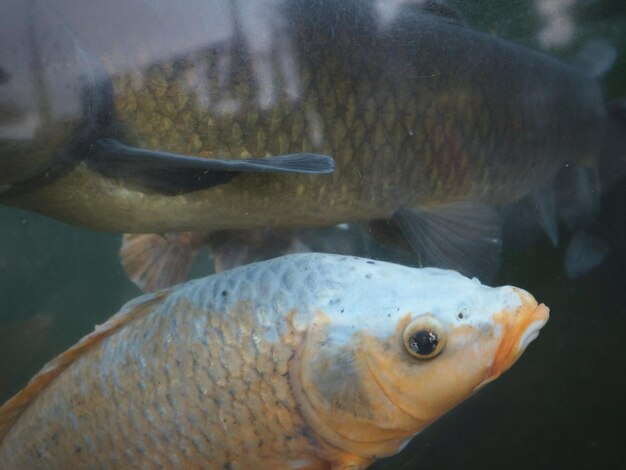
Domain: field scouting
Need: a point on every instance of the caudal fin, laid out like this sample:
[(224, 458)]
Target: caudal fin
[(154, 261)]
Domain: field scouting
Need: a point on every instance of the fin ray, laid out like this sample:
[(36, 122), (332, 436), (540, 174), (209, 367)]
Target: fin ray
[(465, 236), (154, 261)]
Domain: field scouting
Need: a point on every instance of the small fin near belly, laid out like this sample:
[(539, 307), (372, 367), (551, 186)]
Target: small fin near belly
[(172, 174), (155, 261), (584, 253), (14, 407), (465, 236)]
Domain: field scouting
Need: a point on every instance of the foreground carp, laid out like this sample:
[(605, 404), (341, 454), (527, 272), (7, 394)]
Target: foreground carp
[(429, 122), (306, 361)]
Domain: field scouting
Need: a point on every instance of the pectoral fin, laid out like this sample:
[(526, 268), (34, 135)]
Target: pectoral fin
[(465, 236), (171, 173)]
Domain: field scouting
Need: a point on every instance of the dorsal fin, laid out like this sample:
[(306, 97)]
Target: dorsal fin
[(13, 408)]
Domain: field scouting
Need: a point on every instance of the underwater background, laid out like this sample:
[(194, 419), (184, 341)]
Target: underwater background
[(562, 405)]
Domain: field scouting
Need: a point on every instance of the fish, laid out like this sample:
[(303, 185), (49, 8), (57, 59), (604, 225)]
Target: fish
[(288, 115), (303, 361)]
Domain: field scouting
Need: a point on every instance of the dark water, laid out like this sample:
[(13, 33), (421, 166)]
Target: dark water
[(563, 405)]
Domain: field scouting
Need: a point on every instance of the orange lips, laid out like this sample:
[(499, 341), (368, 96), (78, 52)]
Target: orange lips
[(519, 329)]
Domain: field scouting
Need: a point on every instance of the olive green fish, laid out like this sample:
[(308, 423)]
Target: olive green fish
[(309, 361), (229, 121)]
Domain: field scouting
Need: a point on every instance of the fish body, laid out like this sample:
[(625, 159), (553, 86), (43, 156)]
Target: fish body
[(304, 361), (419, 110), (424, 117)]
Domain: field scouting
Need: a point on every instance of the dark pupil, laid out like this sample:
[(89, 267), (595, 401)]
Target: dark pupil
[(423, 342)]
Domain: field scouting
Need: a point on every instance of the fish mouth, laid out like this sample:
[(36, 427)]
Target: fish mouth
[(519, 328)]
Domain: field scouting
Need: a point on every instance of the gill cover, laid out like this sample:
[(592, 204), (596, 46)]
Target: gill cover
[(338, 396)]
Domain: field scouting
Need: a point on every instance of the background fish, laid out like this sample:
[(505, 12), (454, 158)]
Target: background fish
[(305, 361), (429, 122)]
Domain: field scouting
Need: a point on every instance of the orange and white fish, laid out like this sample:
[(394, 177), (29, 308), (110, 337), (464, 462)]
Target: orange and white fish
[(309, 361)]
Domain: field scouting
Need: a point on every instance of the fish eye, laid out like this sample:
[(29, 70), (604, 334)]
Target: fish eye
[(424, 337)]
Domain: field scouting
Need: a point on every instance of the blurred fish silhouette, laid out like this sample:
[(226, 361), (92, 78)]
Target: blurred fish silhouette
[(430, 125)]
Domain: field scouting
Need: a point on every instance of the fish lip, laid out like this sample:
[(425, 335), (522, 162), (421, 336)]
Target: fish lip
[(531, 334), (538, 318), (518, 333)]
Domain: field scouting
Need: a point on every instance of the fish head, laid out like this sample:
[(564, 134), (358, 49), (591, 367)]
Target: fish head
[(401, 348)]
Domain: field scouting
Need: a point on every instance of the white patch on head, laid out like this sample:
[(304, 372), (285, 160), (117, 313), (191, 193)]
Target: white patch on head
[(355, 294), (375, 295)]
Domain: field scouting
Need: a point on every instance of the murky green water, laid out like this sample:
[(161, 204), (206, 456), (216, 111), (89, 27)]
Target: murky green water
[(561, 406)]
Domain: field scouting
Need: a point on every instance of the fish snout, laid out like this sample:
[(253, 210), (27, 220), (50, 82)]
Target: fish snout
[(519, 328), (537, 320)]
